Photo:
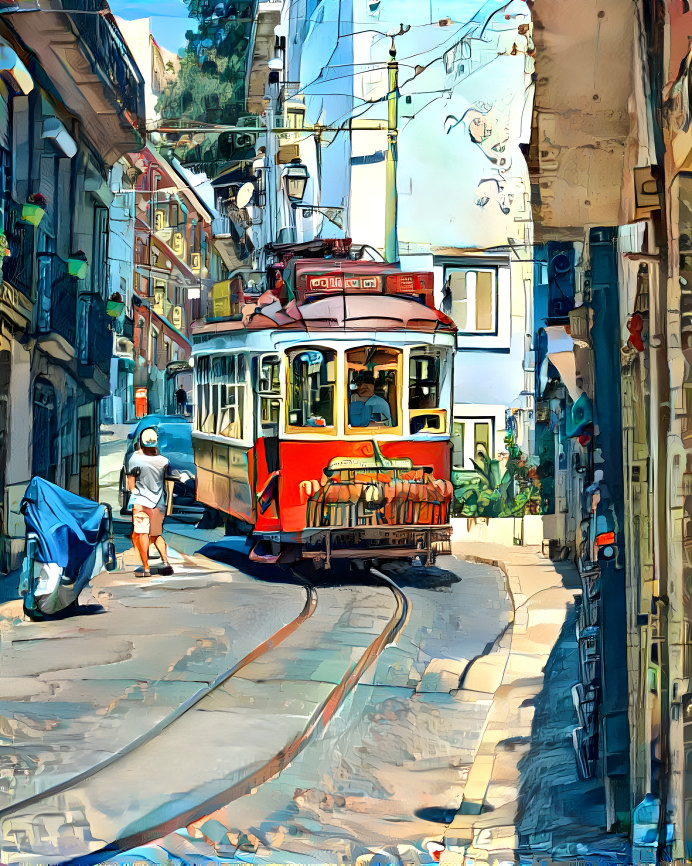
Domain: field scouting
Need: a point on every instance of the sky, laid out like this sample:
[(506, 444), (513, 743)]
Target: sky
[(168, 30)]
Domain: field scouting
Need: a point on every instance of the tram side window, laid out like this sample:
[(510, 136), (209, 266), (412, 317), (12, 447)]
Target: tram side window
[(232, 394), (269, 387), (221, 395), (373, 398), (311, 390), (202, 367)]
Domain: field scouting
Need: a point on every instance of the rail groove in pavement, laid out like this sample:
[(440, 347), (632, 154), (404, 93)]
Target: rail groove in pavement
[(273, 641), (275, 765)]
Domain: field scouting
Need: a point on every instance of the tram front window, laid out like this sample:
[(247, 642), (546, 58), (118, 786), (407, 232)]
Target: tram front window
[(372, 386), (313, 375), (424, 386), (424, 381)]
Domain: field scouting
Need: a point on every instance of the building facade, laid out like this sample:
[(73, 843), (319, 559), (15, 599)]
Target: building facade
[(69, 85)]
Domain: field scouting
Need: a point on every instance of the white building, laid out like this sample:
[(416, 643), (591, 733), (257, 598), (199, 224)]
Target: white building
[(464, 108)]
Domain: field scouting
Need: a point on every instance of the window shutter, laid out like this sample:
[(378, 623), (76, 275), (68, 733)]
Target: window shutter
[(484, 301), (457, 285)]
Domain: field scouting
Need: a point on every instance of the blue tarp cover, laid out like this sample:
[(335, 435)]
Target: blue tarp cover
[(68, 526)]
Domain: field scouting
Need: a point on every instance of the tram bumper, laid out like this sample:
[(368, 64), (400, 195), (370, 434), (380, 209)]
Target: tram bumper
[(376, 542)]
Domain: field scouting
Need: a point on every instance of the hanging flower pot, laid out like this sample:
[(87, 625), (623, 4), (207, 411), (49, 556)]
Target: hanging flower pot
[(34, 209), (77, 264), (4, 249), (115, 305)]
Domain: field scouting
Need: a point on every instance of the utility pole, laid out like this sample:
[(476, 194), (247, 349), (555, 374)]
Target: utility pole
[(391, 240)]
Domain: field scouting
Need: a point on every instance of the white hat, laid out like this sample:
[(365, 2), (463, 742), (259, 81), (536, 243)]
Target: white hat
[(149, 438)]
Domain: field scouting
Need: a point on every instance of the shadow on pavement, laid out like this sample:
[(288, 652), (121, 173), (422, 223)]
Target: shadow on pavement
[(553, 800), (70, 612), (233, 551)]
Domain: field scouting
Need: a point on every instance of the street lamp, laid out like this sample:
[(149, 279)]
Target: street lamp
[(294, 180)]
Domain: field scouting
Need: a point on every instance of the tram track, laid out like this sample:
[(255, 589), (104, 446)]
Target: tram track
[(266, 771), (274, 640)]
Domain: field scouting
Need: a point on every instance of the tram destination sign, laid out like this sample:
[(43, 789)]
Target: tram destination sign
[(339, 282)]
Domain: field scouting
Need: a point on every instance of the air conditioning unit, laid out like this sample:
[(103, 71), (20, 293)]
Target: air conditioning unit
[(177, 317)]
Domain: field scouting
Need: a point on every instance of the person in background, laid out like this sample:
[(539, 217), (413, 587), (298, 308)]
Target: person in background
[(181, 400), (151, 483)]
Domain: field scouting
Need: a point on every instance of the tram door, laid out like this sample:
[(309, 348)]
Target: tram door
[(269, 395)]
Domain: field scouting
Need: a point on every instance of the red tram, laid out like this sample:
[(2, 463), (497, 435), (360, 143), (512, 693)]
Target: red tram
[(323, 410)]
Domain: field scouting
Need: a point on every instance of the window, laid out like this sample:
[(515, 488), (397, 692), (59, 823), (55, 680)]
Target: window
[(423, 381), (233, 369), (99, 252), (424, 392), (311, 390), (221, 382), (269, 389), (472, 440), (372, 386), (473, 293)]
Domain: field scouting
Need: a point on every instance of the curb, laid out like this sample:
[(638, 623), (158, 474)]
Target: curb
[(478, 814)]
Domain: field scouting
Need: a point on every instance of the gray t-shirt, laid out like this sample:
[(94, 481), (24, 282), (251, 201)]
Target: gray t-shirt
[(150, 472)]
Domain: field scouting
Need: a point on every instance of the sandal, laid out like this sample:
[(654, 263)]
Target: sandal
[(143, 573)]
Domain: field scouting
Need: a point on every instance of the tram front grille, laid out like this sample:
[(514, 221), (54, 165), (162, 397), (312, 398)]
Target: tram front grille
[(389, 501)]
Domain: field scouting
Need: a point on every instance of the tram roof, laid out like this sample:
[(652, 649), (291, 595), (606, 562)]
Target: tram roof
[(337, 312)]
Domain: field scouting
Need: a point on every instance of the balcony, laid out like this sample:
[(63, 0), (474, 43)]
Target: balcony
[(96, 344), (221, 226), (128, 328), (88, 62), (57, 307), (17, 268)]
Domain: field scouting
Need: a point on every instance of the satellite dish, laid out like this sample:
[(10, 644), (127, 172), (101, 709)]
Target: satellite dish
[(245, 194)]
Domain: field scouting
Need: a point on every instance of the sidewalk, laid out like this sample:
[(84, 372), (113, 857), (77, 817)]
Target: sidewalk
[(523, 794)]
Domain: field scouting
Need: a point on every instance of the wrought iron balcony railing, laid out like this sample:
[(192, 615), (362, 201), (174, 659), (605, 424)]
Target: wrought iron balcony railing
[(97, 337), (17, 268), (111, 54), (57, 293)]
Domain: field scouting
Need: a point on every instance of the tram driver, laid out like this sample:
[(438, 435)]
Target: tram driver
[(367, 409)]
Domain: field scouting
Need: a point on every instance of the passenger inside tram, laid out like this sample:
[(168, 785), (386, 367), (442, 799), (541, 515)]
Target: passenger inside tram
[(373, 394), (368, 409)]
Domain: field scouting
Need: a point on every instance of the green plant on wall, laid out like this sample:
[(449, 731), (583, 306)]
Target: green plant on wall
[(488, 491)]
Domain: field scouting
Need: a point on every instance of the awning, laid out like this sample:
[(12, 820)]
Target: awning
[(173, 368), (125, 363), (560, 354)]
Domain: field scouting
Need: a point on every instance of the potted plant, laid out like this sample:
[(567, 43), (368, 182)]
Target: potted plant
[(115, 305), (4, 247), (77, 263), (34, 209)]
